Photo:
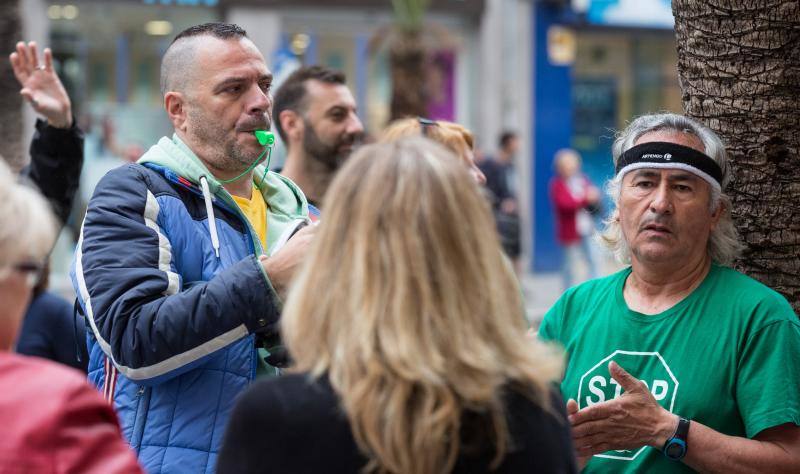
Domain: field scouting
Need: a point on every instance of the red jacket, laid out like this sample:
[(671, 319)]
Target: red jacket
[(566, 208), (53, 421)]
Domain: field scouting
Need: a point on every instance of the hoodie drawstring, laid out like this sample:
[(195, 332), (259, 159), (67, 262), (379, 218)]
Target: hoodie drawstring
[(212, 222)]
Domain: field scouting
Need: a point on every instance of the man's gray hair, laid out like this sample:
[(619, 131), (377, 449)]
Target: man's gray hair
[(724, 244)]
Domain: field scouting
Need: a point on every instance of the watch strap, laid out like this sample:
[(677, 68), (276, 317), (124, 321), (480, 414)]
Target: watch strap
[(682, 432), (679, 438)]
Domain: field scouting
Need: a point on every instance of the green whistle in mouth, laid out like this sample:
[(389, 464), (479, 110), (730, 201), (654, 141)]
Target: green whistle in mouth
[(264, 137)]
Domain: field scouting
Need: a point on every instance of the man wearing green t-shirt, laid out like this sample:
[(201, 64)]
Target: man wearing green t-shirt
[(677, 363)]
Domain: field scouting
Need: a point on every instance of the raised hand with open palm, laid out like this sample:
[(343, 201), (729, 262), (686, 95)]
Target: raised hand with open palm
[(41, 86)]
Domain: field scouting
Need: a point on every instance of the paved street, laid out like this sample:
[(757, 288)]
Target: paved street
[(541, 291)]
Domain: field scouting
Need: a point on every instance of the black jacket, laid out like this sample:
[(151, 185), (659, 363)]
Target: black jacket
[(55, 167), (496, 180), (294, 424), (53, 331)]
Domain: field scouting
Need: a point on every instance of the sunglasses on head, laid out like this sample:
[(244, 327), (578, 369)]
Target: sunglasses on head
[(425, 124)]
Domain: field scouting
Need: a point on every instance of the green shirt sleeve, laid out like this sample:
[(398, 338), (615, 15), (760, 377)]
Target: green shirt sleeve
[(768, 380), (550, 328)]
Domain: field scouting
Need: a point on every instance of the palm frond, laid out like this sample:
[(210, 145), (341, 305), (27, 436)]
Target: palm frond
[(410, 14)]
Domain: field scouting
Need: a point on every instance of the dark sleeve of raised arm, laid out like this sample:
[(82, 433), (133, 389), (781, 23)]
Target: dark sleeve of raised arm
[(55, 167)]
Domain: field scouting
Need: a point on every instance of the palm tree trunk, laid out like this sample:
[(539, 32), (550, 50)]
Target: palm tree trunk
[(10, 100), (739, 67), (408, 59)]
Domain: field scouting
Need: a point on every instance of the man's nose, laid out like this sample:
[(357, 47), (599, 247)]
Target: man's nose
[(661, 199), (354, 125), (259, 102)]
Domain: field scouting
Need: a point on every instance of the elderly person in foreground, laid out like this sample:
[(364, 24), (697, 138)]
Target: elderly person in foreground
[(411, 356), (678, 362), (51, 419)]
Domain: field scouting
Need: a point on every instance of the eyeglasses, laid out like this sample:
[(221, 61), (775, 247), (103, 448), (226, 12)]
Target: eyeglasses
[(33, 271), (425, 124)]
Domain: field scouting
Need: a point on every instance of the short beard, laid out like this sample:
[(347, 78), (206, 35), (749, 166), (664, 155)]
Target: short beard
[(323, 153), (227, 154)]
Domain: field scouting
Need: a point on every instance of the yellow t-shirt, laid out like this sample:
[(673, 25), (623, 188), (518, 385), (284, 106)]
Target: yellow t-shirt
[(255, 209)]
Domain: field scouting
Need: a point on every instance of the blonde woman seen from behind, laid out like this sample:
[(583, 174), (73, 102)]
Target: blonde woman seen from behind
[(408, 338)]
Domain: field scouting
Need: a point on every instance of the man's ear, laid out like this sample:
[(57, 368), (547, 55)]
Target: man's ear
[(175, 104), (716, 215), (292, 124)]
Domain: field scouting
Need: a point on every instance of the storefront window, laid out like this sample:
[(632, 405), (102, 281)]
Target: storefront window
[(619, 74), (108, 54)]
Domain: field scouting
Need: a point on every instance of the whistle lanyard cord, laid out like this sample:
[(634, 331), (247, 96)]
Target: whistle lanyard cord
[(266, 168), (250, 168)]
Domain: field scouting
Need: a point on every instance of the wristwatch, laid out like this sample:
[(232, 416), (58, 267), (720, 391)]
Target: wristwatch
[(675, 448)]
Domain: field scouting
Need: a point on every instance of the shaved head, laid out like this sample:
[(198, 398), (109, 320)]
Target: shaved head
[(177, 65)]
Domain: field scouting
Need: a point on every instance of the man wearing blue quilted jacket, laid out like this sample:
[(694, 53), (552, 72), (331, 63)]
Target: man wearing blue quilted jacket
[(184, 256)]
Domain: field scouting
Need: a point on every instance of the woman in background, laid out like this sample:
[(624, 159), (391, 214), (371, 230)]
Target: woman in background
[(453, 136), (408, 337), (573, 197)]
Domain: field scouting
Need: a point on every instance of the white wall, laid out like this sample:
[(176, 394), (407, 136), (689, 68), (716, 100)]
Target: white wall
[(505, 90), (263, 26)]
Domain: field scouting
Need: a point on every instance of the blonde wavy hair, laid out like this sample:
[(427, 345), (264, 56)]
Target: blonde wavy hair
[(416, 316), (27, 226), (453, 136)]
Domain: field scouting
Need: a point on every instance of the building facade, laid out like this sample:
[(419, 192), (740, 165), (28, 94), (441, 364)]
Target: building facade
[(561, 73)]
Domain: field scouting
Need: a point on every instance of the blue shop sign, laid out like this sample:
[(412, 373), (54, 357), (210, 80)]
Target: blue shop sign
[(630, 13)]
